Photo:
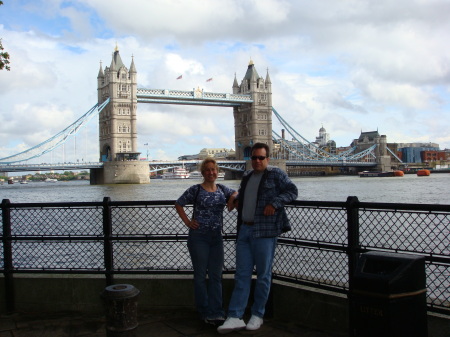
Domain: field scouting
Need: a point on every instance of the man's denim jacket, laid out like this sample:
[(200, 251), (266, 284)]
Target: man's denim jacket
[(275, 188)]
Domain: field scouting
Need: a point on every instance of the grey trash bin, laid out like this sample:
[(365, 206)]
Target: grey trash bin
[(120, 301), (389, 296)]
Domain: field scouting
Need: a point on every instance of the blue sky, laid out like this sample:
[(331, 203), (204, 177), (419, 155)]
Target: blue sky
[(349, 66)]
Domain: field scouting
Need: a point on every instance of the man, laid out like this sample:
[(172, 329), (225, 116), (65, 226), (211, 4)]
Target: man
[(261, 219)]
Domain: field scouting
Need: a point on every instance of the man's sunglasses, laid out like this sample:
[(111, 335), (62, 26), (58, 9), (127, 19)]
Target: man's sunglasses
[(258, 157)]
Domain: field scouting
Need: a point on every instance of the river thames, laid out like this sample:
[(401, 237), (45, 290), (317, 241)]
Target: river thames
[(409, 189), (434, 189)]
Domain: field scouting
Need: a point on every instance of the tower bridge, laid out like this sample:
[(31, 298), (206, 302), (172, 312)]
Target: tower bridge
[(251, 101)]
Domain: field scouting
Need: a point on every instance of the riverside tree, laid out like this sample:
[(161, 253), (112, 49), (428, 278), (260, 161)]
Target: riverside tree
[(4, 56)]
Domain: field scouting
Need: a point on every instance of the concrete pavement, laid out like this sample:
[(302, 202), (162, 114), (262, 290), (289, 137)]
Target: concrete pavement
[(161, 323)]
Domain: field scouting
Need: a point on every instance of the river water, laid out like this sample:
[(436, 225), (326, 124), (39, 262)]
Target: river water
[(434, 189), (409, 189)]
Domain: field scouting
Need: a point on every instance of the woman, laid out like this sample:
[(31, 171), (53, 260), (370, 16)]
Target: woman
[(205, 241)]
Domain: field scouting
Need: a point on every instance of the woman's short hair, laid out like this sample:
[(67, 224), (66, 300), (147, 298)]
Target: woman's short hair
[(206, 161)]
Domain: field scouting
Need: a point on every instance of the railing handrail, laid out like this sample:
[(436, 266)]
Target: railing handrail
[(349, 245)]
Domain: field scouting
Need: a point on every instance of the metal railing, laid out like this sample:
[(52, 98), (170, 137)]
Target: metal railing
[(147, 237)]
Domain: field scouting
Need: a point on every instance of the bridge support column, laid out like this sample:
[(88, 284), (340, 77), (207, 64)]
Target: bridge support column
[(96, 176), (122, 172), (383, 159), (232, 175), (384, 163)]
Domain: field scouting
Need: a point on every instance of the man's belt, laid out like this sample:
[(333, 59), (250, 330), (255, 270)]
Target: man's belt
[(248, 223)]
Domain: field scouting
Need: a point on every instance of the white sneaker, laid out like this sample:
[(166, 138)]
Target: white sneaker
[(254, 323), (231, 324)]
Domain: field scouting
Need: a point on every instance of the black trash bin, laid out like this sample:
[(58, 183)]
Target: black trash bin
[(389, 296), (121, 309)]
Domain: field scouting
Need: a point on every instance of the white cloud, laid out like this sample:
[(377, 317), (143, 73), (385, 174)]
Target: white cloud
[(192, 21), (179, 65)]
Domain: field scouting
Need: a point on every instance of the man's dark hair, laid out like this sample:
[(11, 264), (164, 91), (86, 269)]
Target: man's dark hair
[(261, 146)]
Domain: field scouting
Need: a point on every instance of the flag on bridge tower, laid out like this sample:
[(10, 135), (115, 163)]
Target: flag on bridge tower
[(180, 77), (209, 79)]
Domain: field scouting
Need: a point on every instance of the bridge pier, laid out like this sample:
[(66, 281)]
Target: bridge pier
[(280, 163), (121, 172), (233, 175), (384, 163)]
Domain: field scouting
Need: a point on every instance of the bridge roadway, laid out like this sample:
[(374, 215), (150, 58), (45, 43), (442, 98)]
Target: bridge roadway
[(195, 97), (231, 165)]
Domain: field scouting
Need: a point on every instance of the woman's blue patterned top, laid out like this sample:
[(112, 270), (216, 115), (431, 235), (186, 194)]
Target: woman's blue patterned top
[(209, 206)]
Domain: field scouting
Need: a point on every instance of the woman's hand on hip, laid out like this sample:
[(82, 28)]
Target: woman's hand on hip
[(192, 224)]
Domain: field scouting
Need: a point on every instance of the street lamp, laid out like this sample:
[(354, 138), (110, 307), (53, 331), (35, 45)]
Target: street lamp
[(146, 144)]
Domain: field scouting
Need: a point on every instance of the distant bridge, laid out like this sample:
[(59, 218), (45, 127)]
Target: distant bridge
[(50, 167), (229, 165), (240, 165)]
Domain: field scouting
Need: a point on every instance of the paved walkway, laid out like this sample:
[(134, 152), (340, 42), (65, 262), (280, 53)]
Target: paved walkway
[(161, 323)]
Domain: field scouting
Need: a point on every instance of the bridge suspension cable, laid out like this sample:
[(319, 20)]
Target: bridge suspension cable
[(295, 149), (57, 140), (301, 149), (346, 153), (395, 156), (363, 154)]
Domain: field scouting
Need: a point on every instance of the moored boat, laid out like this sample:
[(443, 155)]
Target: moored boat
[(177, 173), (366, 174), (195, 175), (399, 173), (423, 173), (198, 175)]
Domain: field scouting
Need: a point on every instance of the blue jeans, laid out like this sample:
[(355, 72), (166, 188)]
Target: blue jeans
[(252, 252), (206, 250)]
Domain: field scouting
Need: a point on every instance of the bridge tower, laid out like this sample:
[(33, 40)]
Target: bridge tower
[(117, 125), (117, 121), (383, 159), (253, 122), (368, 139)]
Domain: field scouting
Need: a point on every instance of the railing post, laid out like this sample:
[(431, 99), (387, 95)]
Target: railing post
[(353, 247), (107, 242), (7, 256)]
